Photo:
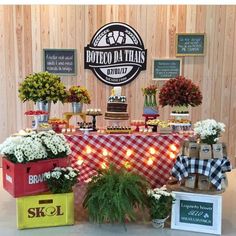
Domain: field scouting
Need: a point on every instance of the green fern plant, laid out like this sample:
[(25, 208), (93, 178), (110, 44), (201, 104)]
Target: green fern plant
[(113, 195)]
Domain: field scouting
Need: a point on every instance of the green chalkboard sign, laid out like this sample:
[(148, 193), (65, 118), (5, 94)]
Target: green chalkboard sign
[(59, 61), (190, 44), (164, 69), (196, 212)]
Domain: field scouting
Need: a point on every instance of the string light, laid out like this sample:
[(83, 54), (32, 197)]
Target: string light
[(88, 150), (172, 155), (104, 165), (173, 147), (152, 150), (127, 165), (129, 153), (80, 161), (150, 161), (105, 152)]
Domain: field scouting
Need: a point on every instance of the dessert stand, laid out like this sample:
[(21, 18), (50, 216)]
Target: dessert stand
[(94, 120)]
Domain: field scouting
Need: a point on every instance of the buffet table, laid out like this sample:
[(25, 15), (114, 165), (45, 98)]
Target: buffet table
[(151, 155)]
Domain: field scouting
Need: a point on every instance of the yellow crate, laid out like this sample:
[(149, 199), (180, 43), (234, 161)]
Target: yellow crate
[(45, 210)]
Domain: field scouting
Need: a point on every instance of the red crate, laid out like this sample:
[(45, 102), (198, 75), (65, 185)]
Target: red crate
[(26, 179)]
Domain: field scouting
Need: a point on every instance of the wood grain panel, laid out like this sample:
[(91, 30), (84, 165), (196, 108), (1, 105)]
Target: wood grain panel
[(26, 30)]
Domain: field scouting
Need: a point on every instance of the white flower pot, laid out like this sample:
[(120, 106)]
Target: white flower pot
[(159, 223)]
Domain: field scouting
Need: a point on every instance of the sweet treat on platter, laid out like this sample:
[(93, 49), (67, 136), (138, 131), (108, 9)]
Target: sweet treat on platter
[(116, 106), (35, 113), (44, 127), (164, 127), (180, 125), (57, 121), (137, 122), (93, 112), (118, 129), (153, 122), (179, 121), (85, 125)]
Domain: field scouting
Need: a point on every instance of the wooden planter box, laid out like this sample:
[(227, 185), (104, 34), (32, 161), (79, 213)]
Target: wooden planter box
[(45, 210), (26, 179)]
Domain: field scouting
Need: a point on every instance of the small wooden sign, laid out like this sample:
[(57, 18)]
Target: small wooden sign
[(60, 61), (197, 212), (164, 69), (190, 44)]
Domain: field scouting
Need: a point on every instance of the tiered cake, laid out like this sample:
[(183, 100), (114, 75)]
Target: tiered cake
[(116, 106)]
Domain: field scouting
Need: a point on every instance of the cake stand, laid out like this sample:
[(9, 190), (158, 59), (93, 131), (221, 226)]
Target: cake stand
[(179, 115), (177, 127), (86, 131), (36, 121), (94, 120)]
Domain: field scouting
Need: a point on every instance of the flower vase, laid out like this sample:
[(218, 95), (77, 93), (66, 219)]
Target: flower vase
[(159, 223), (146, 103), (154, 102), (77, 107), (43, 106)]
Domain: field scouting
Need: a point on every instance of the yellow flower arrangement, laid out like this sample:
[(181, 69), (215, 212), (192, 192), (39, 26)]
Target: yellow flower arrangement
[(42, 86)]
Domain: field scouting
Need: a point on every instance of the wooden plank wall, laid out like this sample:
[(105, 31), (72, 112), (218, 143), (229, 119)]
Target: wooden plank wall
[(26, 30)]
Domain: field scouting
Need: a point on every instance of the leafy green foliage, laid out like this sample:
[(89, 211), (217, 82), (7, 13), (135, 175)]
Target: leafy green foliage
[(160, 202), (113, 195), (61, 180), (42, 86), (161, 209)]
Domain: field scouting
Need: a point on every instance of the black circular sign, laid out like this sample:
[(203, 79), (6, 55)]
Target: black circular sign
[(116, 54)]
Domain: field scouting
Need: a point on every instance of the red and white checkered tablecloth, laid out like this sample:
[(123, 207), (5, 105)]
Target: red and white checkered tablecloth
[(130, 150)]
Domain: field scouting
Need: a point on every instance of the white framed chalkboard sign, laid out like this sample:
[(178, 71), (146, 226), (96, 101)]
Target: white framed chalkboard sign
[(60, 61), (197, 212), (190, 44), (164, 69)]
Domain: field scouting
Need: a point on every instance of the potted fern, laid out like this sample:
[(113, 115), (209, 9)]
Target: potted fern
[(113, 195)]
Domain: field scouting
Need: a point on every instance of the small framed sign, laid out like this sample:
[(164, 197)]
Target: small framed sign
[(197, 212), (164, 69), (190, 44), (60, 61)]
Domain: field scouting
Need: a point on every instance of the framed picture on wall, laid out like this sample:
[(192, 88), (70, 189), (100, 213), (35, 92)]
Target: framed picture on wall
[(164, 69), (60, 61), (190, 44), (197, 212)]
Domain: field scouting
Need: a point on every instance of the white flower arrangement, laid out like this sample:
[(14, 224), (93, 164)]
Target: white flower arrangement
[(209, 130), (158, 192), (35, 146), (160, 202), (61, 179)]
